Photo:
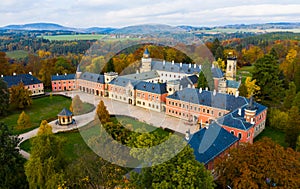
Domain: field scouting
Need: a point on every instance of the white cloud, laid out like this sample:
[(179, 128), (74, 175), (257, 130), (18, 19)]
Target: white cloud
[(116, 13)]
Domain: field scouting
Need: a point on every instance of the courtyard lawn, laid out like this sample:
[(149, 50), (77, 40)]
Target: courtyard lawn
[(45, 108), (75, 145), (276, 135)]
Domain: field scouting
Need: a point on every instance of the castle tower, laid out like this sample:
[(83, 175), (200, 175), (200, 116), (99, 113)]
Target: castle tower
[(250, 112), (231, 68), (77, 76), (146, 62)]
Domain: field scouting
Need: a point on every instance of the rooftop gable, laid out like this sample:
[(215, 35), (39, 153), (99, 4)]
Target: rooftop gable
[(210, 142)]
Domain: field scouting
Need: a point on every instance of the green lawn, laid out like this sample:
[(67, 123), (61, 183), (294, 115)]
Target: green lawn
[(45, 108), (276, 135), (74, 142), (245, 71), (18, 54), (73, 37)]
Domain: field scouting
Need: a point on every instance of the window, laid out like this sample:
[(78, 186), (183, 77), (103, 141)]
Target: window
[(240, 135), (199, 109), (203, 110), (183, 106), (176, 104), (208, 111), (195, 108), (220, 113), (212, 112), (249, 134), (232, 132)]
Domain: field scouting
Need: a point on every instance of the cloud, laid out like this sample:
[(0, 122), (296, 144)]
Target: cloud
[(116, 13)]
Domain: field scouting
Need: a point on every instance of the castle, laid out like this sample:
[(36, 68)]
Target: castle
[(224, 117)]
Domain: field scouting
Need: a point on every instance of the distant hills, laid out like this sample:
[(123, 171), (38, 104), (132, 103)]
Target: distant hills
[(55, 27), (146, 28)]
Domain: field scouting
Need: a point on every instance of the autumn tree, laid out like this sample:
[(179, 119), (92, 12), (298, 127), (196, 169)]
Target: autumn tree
[(293, 127), (252, 54), (102, 113), (45, 128), (4, 97), (298, 144), (46, 163), (243, 90), (23, 121), (252, 88), (20, 97), (251, 165), (221, 64), (76, 105), (267, 75), (290, 64), (289, 96), (12, 172), (4, 65)]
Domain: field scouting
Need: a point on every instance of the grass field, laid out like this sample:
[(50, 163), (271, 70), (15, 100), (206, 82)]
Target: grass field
[(245, 71), (275, 135), (73, 37), (45, 108), (19, 54)]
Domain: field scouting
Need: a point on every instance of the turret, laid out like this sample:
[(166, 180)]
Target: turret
[(231, 68), (250, 112), (146, 62)]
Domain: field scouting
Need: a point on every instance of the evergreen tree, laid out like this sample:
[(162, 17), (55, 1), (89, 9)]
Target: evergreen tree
[(297, 78), (12, 172), (289, 96), (202, 82), (20, 97), (102, 113), (4, 97), (23, 121), (266, 73), (110, 66)]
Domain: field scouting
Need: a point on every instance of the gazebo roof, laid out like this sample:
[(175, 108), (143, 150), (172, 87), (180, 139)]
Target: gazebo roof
[(65, 112)]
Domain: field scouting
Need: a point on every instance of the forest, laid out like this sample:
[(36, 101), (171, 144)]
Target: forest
[(268, 63)]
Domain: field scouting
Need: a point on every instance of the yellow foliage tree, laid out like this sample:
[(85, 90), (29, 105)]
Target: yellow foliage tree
[(23, 121), (288, 66), (251, 86), (45, 128)]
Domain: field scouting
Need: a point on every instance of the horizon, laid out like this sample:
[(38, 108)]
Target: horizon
[(103, 13)]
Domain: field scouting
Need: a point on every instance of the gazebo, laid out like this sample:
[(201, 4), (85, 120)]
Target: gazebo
[(65, 117)]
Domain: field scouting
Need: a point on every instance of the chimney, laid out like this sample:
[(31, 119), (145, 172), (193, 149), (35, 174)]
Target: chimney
[(237, 93), (57, 74), (190, 65), (240, 112), (65, 73), (215, 92), (164, 62), (193, 86), (14, 74), (189, 86), (200, 66), (180, 64), (200, 90), (212, 66), (172, 62), (195, 66), (30, 73), (137, 71), (181, 87), (206, 88), (252, 121)]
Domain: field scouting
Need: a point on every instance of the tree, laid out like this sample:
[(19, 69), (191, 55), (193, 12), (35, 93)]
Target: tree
[(202, 82), (45, 128), (4, 97), (20, 97), (102, 113), (182, 171), (4, 65), (76, 105), (92, 171), (289, 96), (256, 165), (12, 172), (46, 162), (289, 65), (293, 127), (23, 121), (243, 90), (296, 101), (278, 119), (298, 144), (267, 75), (252, 88), (221, 64)]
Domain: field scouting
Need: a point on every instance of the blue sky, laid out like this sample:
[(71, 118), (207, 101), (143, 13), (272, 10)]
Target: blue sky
[(119, 13)]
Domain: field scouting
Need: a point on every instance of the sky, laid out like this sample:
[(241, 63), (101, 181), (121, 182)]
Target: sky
[(120, 13)]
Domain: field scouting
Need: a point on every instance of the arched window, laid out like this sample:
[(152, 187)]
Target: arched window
[(240, 135), (232, 132), (229, 68)]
